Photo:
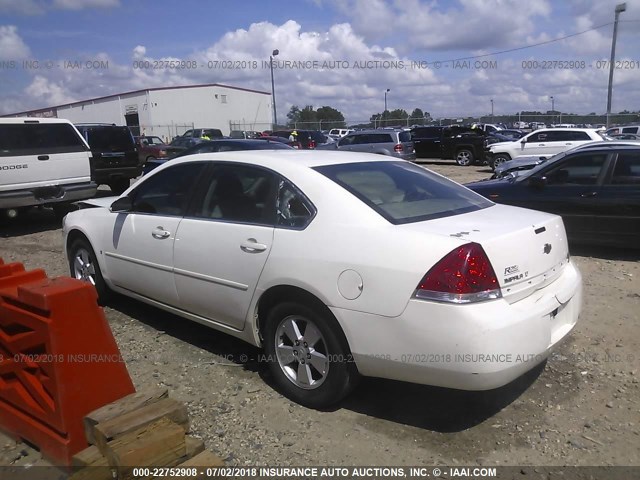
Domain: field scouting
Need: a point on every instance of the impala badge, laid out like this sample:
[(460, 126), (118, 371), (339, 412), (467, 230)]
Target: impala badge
[(547, 248)]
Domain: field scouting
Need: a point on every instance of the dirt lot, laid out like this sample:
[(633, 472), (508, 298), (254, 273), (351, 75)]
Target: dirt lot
[(581, 408)]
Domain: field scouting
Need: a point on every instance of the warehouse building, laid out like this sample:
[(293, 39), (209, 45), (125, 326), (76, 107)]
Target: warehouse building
[(170, 111)]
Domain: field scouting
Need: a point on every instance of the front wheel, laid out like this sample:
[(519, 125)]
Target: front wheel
[(498, 159), (464, 157), (83, 265), (308, 355)]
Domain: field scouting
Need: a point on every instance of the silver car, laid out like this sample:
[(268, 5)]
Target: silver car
[(395, 143)]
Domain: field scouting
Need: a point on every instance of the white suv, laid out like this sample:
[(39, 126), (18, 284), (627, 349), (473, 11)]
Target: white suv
[(545, 142), (43, 162)]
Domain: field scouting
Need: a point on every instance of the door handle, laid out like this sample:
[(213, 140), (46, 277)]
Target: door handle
[(43, 157), (541, 145), (160, 233), (589, 194), (252, 246), (568, 143)]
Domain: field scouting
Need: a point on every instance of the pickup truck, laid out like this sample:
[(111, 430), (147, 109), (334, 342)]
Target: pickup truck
[(464, 145)]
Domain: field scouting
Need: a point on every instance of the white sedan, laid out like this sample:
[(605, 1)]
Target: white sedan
[(338, 265)]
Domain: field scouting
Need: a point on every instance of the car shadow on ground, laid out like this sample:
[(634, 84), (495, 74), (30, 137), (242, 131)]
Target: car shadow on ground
[(35, 220), (432, 408), (228, 348), (437, 409), (605, 253)]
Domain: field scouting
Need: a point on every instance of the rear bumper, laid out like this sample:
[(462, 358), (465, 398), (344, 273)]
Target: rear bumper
[(105, 175), (467, 347), (47, 195)]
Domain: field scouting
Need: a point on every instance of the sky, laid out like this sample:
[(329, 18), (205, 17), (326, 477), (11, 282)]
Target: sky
[(340, 53)]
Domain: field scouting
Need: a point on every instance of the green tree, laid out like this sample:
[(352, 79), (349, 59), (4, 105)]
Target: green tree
[(293, 115), (329, 117)]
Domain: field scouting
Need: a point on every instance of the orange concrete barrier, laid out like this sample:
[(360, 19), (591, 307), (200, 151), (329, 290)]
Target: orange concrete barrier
[(58, 360)]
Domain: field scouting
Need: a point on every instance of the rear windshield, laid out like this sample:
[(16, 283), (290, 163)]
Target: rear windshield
[(405, 136), (109, 139), (39, 138), (403, 192)]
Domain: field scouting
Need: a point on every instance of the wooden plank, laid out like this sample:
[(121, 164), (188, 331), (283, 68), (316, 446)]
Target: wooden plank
[(193, 447), (88, 456), (126, 404), (93, 472), (172, 409), (159, 444)]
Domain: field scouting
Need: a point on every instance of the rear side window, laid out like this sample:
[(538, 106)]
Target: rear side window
[(426, 133), (109, 139), (405, 136), (39, 138), (380, 138), (402, 192), (580, 136), (627, 169)]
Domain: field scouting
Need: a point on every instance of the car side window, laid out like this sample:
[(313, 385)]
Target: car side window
[(380, 138), (538, 137), (167, 192), (239, 193), (292, 207), (579, 136), (627, 169), (577, 170)]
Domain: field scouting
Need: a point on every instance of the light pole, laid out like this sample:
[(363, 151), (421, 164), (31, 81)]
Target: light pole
[(621, 7), (492, 110), (385, 98), (273, 89), (553, 109)]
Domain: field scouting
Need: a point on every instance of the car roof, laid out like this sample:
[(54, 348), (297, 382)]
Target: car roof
[(286, 158), (32, 120), (564, 129), (606, 144), (378, 130)]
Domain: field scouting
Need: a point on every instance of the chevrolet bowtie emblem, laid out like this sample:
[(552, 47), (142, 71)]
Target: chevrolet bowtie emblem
[(547, 248)]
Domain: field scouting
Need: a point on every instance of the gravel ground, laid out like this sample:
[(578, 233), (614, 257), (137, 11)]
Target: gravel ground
[(581, 408)]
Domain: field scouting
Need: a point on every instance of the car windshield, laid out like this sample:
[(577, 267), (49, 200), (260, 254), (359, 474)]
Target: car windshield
[(402, 192)]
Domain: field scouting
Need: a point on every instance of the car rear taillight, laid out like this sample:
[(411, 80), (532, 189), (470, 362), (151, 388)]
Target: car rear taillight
[(312, 144), (464, 275), (398, 148)]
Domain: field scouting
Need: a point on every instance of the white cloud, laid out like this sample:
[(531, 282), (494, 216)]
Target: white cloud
[(357, 92), (139, 52), (47, 91), (12, 46)]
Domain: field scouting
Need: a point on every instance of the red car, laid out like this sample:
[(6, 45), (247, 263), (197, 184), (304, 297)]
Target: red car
[(150, 148)]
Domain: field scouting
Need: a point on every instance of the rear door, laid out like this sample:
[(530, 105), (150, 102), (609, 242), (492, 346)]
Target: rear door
[(427, 141), (40, 154), (571, 191), (618, 209)]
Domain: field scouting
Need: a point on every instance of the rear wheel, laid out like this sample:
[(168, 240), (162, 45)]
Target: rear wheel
[(498, 159), (119, 186), (464, 157), (83, 265), (308, 355)]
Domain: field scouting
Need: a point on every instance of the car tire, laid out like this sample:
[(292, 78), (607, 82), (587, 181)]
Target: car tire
[(314, 375), (498, 159), (83, 265), (119, 186), (464, 157)]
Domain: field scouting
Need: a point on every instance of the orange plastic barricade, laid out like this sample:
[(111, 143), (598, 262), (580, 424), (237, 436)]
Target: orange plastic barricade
[(58, 360)]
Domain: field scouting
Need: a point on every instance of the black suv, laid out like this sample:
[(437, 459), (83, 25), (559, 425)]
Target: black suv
[(464, 145), (114, 156)]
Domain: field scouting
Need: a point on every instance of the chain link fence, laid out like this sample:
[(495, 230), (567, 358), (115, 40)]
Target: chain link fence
[(520, 121)]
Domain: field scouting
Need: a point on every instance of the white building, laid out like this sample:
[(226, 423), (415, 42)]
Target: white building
[(170, 111)]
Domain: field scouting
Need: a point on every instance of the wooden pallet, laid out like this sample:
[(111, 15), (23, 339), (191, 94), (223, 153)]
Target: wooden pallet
[(144, 429)]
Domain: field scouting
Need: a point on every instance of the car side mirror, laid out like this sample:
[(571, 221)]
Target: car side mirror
[(123, 204), (523, 141), (537, 182)]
